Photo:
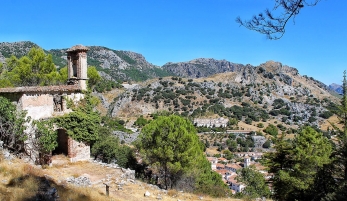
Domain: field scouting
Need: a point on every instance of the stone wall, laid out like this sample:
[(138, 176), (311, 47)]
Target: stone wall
[(38, 106), (78, 151)]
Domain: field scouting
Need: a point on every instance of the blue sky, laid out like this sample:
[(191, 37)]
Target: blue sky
[(182, 30)]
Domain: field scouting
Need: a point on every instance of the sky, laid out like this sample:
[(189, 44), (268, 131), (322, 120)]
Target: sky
[(182, 30)]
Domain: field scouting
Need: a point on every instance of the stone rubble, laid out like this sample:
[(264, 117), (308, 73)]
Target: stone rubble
[(81, 181)]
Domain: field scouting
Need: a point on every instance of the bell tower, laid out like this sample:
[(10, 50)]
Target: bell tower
[(247, 162), (77, 66)]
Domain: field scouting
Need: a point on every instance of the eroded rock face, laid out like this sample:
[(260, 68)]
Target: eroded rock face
[(202, 67), (118, 58)]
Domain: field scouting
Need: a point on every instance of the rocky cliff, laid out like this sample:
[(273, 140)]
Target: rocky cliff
[(201, 67)]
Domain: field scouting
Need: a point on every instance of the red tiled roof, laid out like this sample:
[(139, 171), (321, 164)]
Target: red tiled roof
[(233, 165), (220, 165), (222, 172)]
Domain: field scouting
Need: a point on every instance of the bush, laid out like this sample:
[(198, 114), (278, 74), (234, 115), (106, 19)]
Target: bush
[(109, 149), (140, 122), (260, 125), (326, 114), (271, 130)]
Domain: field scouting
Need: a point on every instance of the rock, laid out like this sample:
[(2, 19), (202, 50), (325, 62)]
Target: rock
[(79, 181), (202, 67), (164, 191), (147, 194), (128, 174), (126, 137), (7, 155), (131, 180)]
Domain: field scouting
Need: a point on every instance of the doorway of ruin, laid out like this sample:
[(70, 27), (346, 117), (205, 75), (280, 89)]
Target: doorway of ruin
[(62, 147)]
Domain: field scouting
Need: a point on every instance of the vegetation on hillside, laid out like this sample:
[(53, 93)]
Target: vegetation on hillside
[(251, 103)]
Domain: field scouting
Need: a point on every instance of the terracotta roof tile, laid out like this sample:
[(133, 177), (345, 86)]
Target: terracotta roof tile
[(233, 165), (220, 165)]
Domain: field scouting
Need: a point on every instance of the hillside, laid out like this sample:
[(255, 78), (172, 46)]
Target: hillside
[(269, 92), (112, 64), (202, 88)]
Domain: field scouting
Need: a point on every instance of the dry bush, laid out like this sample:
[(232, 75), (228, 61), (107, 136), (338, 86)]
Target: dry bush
[(172, 193)]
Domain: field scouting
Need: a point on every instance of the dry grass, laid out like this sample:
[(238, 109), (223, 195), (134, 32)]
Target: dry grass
[(327, 123), (18, 180), (23, 181)]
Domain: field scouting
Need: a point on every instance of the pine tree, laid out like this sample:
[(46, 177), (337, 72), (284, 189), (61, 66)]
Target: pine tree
[(340, 163)]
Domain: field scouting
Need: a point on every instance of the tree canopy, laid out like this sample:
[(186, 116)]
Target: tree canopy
[(340, 163), (36, 68), (170, 145), (296, 164), (12, 125), (255, 183)]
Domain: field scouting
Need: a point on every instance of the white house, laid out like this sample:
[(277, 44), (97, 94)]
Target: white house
[(234, 185)]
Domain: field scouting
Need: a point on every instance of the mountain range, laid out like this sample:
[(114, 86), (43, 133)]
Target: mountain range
[(203, 87)]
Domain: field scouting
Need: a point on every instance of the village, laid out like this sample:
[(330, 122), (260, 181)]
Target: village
[(229, 169)]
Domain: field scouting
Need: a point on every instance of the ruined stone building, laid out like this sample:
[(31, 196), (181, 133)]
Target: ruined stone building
[(43, 102), (220, 122)]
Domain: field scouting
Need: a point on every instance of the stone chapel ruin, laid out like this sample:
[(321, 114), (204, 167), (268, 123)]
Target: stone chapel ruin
[(43, 102)]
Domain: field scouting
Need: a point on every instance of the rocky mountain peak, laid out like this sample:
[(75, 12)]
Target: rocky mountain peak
[(278, 67), (17, 49), (336, 87)]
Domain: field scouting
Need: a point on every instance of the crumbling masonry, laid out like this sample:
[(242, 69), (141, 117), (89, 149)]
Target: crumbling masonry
[(43, 102)]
